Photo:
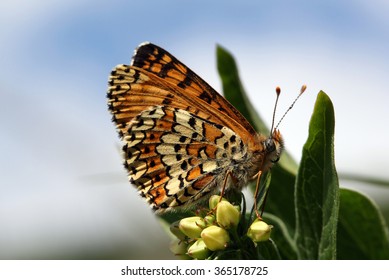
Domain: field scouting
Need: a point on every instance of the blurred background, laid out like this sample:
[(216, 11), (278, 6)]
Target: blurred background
[(63, 191)]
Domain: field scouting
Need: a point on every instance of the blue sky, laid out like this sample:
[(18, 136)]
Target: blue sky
[(63, 192)]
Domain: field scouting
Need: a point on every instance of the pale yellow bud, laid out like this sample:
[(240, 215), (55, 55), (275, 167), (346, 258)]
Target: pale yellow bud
[(259, 231), (192, 226), (198, 250), (215, 238), (214, 200), (227, 216), (210, 219), (178, 247)]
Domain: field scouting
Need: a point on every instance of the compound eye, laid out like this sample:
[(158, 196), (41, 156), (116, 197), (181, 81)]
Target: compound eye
[(270, 146)]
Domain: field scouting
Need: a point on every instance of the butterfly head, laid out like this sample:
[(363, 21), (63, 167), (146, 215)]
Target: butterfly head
[(274, 146)]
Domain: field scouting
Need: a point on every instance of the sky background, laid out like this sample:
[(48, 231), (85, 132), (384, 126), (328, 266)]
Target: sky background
[(63, 191)]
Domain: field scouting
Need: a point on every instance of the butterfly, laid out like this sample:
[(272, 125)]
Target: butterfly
[(182, 141)]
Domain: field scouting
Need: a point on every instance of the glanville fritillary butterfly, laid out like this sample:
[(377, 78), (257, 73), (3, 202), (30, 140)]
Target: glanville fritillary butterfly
[(182, 140)]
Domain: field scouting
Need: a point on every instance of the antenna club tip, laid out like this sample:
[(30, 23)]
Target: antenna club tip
[(278, 90), (303, 88)]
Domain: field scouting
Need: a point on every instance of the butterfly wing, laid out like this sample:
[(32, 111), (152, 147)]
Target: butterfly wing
[(176, 158), (156, 77)]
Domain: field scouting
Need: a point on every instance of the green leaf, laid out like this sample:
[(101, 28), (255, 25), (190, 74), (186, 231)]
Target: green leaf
[(317, 187), (362, 231)]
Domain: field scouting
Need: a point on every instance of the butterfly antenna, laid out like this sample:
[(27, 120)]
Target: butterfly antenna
[(278, 91), (303, 88)]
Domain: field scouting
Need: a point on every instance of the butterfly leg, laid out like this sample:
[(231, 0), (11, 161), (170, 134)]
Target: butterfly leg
[(229, 174), (256, 195), (222, 192)]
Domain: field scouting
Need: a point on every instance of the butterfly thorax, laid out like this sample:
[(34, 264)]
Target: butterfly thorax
[(263, 153)]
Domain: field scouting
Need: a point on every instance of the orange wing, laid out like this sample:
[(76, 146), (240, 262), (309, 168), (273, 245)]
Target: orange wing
[(155, 77)]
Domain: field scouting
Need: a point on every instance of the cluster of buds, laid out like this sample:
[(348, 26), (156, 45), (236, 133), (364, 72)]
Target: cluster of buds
[(200, 236)]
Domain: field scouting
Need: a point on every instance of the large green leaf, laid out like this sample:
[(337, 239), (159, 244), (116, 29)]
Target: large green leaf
[(362, 232), (317, 187)]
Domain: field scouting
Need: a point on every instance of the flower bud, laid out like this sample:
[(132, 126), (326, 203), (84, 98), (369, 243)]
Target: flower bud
[(210, 219), (259, 231), (176, 230), (215, 238), (227, 215), (178, 247), (192, 226), (198, 250), (214, 200)]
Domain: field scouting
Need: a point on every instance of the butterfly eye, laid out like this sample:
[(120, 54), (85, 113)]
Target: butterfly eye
[(270, 146)]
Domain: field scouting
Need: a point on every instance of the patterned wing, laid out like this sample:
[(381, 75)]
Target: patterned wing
[(155, 77), (175, 157)]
